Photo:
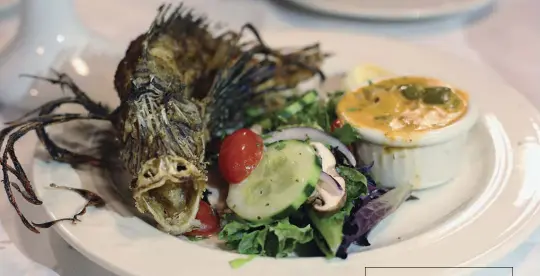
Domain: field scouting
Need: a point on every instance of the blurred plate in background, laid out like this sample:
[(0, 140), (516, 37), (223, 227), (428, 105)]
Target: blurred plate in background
[(392, 9)]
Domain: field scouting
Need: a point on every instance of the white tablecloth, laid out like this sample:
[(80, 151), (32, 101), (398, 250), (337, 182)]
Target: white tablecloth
[(507, 38)]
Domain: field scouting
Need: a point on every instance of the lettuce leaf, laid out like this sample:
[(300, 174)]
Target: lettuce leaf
[(277, 239), (346, 134)]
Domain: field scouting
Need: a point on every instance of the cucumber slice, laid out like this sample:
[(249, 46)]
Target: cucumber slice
[(284, 179), (297, 106), (293, 108)]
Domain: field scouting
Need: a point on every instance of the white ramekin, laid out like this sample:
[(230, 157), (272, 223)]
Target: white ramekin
[(424, 160)]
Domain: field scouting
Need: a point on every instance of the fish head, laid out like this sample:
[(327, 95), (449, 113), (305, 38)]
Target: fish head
[(169, 188), (163, 140)]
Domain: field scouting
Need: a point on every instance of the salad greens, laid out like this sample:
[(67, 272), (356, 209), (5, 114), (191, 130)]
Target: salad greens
[(369, 214), (277, 239), (330, 227), (363, 207), (346, 134), (305, 110)]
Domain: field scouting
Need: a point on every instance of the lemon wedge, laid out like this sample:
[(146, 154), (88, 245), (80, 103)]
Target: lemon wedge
[(360, 75)]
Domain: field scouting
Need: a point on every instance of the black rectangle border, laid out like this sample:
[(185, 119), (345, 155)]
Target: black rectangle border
[(449, 267)]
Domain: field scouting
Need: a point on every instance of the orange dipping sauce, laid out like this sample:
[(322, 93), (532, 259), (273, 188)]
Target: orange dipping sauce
[(403, 105)]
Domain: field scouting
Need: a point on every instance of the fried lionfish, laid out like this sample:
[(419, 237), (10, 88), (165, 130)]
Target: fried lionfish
[(179, 85)]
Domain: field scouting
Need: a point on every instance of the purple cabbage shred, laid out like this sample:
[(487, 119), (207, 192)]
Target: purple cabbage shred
[(367, 211)]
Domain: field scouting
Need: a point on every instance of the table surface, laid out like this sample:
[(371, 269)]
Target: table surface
[(505, 37)]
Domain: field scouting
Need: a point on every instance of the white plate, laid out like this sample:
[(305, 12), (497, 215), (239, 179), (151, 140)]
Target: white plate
[(485, 213), (393, 9)]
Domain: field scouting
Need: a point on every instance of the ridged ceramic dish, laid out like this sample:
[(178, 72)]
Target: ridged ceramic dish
[(423, 159)]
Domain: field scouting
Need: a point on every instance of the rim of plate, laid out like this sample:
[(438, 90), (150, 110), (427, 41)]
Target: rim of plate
[(352, 10), (508, 208)]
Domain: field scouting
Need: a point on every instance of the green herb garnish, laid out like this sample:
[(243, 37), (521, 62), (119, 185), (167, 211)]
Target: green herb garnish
[(239, 262), (346, 134)]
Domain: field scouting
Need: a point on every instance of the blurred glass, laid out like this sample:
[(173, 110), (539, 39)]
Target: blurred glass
[(49, 33)]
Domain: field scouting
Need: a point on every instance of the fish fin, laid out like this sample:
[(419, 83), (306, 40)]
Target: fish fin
[(177, 23), (235, 86)]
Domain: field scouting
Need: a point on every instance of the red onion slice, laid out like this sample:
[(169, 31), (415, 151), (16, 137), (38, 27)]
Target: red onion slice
[(303, 133)]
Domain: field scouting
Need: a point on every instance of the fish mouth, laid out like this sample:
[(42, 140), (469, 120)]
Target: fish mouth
[(169, 188)]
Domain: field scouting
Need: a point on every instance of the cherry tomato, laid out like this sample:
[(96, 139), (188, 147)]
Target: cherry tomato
[(209, 221), (239, 154), (336, 124)]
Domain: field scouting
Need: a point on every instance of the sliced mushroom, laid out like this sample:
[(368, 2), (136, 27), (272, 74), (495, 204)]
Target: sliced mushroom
[(330, 191)]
